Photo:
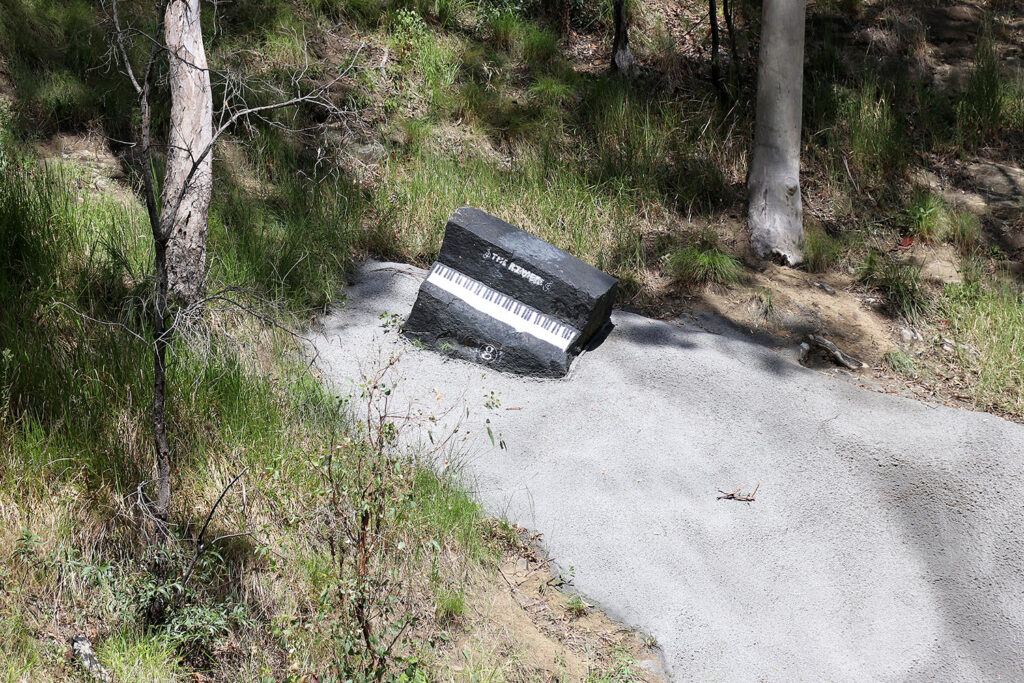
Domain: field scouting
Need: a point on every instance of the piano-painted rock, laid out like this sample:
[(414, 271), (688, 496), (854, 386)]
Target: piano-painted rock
[(506, 299)]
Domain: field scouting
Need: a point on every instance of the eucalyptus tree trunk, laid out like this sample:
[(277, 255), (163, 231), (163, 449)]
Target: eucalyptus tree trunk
[(622, 57), (775, 214), (188, 181)]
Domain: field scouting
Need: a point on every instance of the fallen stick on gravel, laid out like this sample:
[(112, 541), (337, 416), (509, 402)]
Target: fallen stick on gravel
[(736, 495)]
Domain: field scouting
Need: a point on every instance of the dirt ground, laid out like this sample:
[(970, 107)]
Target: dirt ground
[(524, 623)]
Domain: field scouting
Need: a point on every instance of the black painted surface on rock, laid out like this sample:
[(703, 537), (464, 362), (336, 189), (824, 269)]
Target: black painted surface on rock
[(520, 274)]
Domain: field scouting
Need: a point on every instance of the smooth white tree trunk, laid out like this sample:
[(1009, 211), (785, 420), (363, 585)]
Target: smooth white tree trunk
[(188, 182), (775, 214)]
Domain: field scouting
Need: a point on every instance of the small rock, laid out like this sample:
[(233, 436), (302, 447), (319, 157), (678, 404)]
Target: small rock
[(926, 179), (654, 667), (81, 647), (827, 288), (369, 153), (999, 179), (910, 336)]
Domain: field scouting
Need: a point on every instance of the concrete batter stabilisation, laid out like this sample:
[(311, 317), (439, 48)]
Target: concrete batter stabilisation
[(884, 541)]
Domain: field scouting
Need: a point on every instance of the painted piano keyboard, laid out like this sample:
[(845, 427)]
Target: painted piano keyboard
[(514, 313)]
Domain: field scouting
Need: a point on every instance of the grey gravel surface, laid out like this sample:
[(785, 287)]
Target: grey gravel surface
[(884, 542)]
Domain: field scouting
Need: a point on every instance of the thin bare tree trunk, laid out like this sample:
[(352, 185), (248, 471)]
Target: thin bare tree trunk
[(716, 68), (727, 13), (775, 214), (161, 333), (162, 339), (188, 181), (622, 57)]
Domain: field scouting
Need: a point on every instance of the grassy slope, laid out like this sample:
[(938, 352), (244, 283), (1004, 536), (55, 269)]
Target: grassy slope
[(74, 445), (473, 106)]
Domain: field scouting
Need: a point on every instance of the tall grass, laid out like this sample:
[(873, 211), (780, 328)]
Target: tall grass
[(875, 135), (593, 221), (979, 113), (75, 450), (821, 250), (927, 217)]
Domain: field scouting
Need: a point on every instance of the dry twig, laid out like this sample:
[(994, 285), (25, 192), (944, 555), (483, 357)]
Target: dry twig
[(736, 495)]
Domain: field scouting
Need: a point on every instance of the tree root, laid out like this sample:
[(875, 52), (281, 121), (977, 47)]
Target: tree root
[(832, 350)]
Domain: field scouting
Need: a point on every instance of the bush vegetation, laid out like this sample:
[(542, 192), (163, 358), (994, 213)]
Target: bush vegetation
[(478, 104)]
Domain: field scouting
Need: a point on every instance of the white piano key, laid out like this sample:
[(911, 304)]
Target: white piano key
[(514, 313)]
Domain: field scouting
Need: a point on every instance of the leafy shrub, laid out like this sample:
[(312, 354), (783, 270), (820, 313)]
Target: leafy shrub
[(702, 263), (900, 283)]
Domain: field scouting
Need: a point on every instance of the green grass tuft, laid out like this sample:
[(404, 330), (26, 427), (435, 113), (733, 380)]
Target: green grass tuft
[(576, 605), (927, 217), (540, 46), (821, 250), (134, 656), (900, 363), (964, 231), (702, 263), (979, 113), (900, 283), (451, 604), (506, 29)]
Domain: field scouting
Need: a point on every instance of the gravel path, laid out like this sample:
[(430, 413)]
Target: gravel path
[(884, 543)]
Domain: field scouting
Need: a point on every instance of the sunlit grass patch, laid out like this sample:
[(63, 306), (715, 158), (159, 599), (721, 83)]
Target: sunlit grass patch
[(506, 29), (540, 46), (964, 231), (989, 322), (131, 655), (538, 194), (979, 112), (874, 132), (451, 604)]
